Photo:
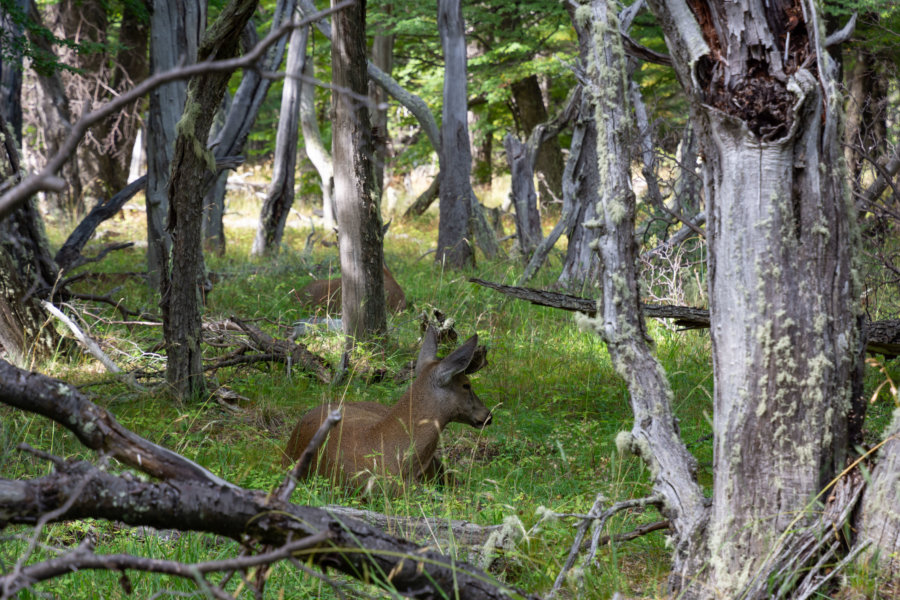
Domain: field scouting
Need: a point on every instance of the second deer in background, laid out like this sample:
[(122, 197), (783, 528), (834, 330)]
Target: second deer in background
[(326, 293)]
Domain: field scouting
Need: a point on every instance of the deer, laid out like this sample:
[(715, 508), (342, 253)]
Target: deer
[(397, 441), (326, 293)]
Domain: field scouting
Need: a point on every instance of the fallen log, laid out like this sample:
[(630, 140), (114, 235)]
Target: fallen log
[(882, 337)]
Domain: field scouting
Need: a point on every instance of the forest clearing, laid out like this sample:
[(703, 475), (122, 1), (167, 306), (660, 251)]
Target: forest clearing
[(466, 300)]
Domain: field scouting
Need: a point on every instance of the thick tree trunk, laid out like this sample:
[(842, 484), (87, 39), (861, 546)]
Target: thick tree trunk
[(864, 131), (192, 165), (455, 232), (358, 210), (84, 22), (581, 266), (529, 103), (175, 31), (782, 293), (280, 198), (521, 158), (315, 148), (25, 263)]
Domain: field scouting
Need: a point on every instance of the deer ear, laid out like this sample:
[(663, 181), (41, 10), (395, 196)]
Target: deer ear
[(479, 360), (429, 349), (456, 362)]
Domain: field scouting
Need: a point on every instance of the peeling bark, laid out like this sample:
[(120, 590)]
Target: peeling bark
[(782, 289), (655, 435)]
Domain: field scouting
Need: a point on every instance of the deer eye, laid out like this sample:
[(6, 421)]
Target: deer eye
[(466, 386)]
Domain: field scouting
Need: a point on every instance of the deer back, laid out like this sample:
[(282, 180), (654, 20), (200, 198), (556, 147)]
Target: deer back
[(326, 293)]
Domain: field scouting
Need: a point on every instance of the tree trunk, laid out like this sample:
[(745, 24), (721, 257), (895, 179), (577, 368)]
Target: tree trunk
[(782, 293), (619, 321), (531, 111), (175, 31), (242, 112), (315, 148), (521, 158), (581, 267), (358, 209), (25, 263), (383, 58), (84, 22), (280, 198), (455, 227), (214, 201), (52, 119), (482, 146), (864, 131), (878, 519), (192, 164)]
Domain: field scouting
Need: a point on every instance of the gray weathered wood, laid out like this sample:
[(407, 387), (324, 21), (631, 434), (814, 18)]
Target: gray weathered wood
[(280, 196), (782, 291), (175, 32), (455, 233)]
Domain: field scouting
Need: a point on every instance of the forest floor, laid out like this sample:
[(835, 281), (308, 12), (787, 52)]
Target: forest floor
[(557, 407)]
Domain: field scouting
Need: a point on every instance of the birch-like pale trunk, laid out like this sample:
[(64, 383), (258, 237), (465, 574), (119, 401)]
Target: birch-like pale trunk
[(455, 231), (318, 154), (280, 197), (781, 284), (619, 321)]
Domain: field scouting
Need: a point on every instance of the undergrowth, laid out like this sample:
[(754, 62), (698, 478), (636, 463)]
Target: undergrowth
[(557, 407)]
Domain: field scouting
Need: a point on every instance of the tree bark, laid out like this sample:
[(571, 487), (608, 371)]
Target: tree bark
[(521, 158), (455, 232), (383, 58), (242, 112), (25, 263), (315, 148), (358, 209), (192, 163), (280, 197), (878, 518), (53, 116), (782, 294), (531, 112), (655, 435), (175, 32)]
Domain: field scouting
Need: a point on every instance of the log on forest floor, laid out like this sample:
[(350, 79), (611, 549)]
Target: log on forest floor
[(882, 337)]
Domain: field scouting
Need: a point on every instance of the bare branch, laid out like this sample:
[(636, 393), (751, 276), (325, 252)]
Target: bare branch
[(843, 34), (287, 487), (46, 179), (94, 426)]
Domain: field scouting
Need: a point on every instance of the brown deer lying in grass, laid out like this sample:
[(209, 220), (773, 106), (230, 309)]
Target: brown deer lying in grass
[(326, 293), (400, 440)]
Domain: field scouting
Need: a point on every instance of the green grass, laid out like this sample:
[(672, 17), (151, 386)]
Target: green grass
[(558, 406)]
